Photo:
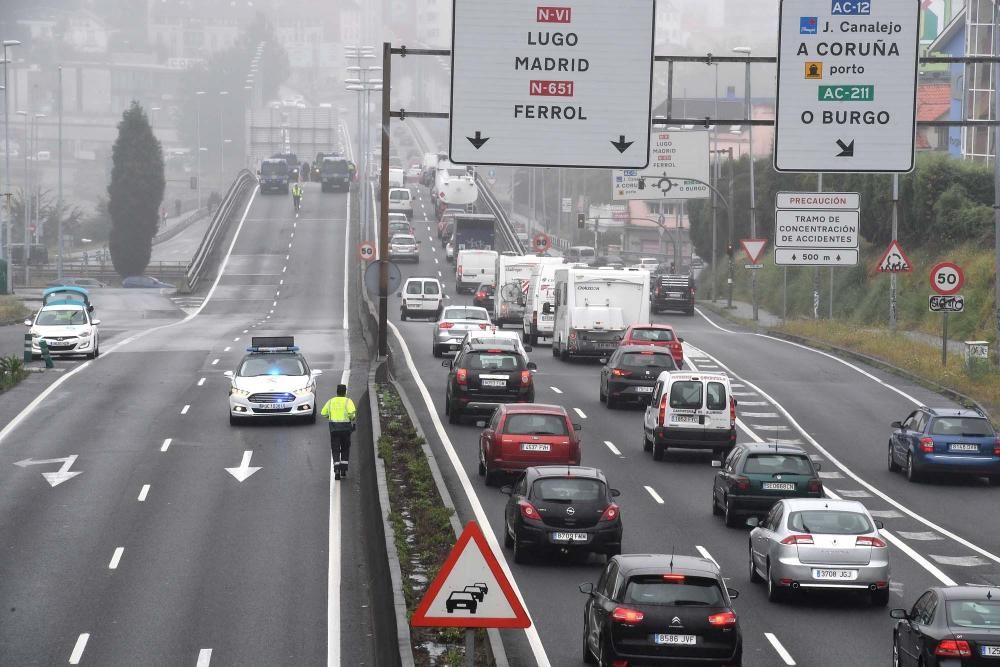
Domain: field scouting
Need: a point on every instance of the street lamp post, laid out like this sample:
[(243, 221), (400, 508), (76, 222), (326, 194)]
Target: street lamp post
[(197, 148), (753, 202), (222, 142), (59, 201), (36, 194), (26, 197), (7, 43)]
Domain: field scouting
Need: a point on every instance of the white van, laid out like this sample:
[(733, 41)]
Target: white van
[(513, 278), (397, 177), (690, 410), (421, 297), (401, 201), (541, 290), (473, 267), (579, 253)]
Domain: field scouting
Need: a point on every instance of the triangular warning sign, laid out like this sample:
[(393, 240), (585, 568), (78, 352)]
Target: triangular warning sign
[(894, 260), (754, 248), (471, 590)]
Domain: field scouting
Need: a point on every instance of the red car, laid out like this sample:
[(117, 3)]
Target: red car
[(661, 335), (523, 435)]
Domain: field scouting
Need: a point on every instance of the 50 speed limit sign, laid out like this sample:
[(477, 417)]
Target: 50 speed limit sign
[(947, 278), (366, 251)]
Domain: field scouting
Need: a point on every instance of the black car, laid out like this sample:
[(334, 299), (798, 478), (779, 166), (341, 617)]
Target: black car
[(631, 372), (559, 509), (292, 160), (484, 376), (484, 296), (756, 475), (954, 625), (608, 261), (654, 609), (335, 174), (672, 292)]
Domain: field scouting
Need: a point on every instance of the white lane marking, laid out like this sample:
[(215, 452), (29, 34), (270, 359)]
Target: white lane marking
[(428, 226), (922, 536), (185, 409), (293, 233), (920, 560), (534, 640), (611, 446), (116, 558), (236, 340), (580, 412), (215, 361), (830, 474), (766, 427), (854, 493), (166, 444), (704, 554), (246, 331), (556, 389), (143, 493), (753, 403), (204, 657), (960, 561), (760, 415), (439, 274), (277, 294), (287, 257), (280, 282), (885, 514), (744, 393), (273, 304), (289, 245), (81, 644), (201, 382), (436, 261), (782, 652), (227, 348), (654, 494)]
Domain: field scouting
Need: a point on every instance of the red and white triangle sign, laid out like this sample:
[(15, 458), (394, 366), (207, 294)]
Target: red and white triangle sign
[(470, 590), (894, 260), (754, 248)]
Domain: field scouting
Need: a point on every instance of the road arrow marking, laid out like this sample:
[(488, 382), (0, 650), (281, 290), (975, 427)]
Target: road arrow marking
[(244, 470), (846, 150), (478, 140), (54, 478), (621, 144)]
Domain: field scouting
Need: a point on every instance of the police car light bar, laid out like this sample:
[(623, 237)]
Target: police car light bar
[(272, 344)]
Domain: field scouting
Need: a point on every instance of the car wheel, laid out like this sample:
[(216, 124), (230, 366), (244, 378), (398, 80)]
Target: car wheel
[(880, 597), (602, 397), (402, 314), (647, 444), (312, 418), (588, 655), (482, 464), (732, 521), (233, 420), (491, 476), (563, 355), (895, 650), (893, 466), (508, 541), (754, 576), (911, 470), (436, 351), (521, 555), (453, 415), (774, 592), (659, 449), (715, 506)]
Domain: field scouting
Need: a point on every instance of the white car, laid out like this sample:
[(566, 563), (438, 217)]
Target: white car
[(421, 297), (401, 201), (66, 328), (272, 380)]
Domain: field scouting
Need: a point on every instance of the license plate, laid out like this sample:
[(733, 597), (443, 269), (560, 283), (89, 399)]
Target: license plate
[(684, 419), (454, 346), (607, 346), (683, 640), (674, 295), (778, 486), (644, 390), (494, 383), (836, 575), (535, 447), (548, 318), (990, 651), (963, 447), (569, 537), (273, 406)]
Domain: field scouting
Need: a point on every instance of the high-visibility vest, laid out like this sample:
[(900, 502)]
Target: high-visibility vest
[(340, 409)]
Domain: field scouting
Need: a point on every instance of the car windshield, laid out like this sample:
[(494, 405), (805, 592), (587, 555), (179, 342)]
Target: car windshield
[(398, 195), (970, 426), (402, 238), (397, 226), (461, 313), (535, 425), (689, 591), (271, 168), (829, 522), (334, 166), (568, 489), (648, 360), (494, 361), (686, 395), (778, 464), (974, 613), (653, 335), (60, 318), (415, 287), (271, 365), (486, 289)]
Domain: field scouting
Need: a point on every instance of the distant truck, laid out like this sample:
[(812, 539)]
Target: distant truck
[(474, 231), (273, 175)]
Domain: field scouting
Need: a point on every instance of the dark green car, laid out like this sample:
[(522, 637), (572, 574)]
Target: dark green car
[(756, 475)]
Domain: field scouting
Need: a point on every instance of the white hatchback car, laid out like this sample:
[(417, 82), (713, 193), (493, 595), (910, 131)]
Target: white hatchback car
[(66, 328)]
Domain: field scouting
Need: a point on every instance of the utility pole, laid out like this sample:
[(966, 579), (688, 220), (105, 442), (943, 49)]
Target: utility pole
[(59, 205)]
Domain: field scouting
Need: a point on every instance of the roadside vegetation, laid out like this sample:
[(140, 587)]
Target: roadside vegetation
[(12, 309), (421, 529), (11, 372)]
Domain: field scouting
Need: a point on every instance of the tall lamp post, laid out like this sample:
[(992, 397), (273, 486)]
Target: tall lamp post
[(753, 202), (37, 195), (222, 142), (197, 148), (59, 191), (7, 43)]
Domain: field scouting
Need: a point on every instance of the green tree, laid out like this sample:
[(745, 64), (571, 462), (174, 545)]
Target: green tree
[(135, 193)]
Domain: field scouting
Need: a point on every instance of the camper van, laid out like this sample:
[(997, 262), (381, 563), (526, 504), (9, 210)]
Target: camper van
[(541, 291), (513, 279)]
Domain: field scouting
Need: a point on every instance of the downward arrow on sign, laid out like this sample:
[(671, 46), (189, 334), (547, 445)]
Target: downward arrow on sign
[(244, 471), (478, 140), (621, 144)]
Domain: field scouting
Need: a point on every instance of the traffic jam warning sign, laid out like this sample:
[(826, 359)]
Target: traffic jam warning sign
[(531, 83), (816, 228), (894, 260), (674, 157), (847, 85), (471, 590)]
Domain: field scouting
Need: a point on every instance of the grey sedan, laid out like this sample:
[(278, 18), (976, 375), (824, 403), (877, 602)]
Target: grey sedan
[(818, 543), (454, 323), (404, 246)]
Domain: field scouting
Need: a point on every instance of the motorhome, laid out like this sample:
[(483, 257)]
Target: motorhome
[(541, 290), (513, 278)]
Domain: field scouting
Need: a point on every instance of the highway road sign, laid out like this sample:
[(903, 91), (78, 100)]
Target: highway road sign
[(530, 83), (470, 590), (947, 278), (894, 260), (372, 278), (815, 257), (856, 109), (938, 303), (674, 157), (753, 248), (366, 251), (541, 242), (818, 200), (816, 229)]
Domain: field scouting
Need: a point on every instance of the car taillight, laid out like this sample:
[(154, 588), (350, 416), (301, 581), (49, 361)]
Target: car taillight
[(480, 295), (674, 578), (927, 444), (627, 616), (620, 372), (996, 447), (742, 483), (663, 411), (483, 326), (462, 376), (446, 325), (611, 513), (619, 663), (528, 510), (732, 412), (525, 378), (723, 620), (815, 486), (870, 541), (534, 318), (953, 648), (798, 539), (658, 291), (459, 269)]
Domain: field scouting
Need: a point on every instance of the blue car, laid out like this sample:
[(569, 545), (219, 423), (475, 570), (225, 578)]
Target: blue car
[(945, 440)]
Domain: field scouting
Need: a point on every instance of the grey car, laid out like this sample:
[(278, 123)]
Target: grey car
[(404, 246), (454, 323), (819, 543)]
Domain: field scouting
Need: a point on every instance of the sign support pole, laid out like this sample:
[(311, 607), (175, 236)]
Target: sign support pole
[(383, 226), (729, 210), (944, 340), (470, 647), (895, 234), (819, 188), (996, 166)]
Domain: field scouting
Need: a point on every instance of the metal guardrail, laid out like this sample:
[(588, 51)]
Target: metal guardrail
[(244, 183), (504, 225)]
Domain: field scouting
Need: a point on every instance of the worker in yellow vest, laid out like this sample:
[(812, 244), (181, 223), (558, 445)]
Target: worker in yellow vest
[(342, 414)]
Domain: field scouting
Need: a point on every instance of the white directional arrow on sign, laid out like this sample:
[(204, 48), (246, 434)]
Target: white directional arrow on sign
[(54, 478), (244, 470)]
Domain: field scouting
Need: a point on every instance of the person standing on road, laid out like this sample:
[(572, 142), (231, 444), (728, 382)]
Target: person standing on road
[(296, 197), (343, 415)]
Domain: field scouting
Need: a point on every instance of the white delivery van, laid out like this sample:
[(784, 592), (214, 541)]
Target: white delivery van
[(513, 277), (421, 297), (575, 333), (473, 267), (690, 410), (541, 291)]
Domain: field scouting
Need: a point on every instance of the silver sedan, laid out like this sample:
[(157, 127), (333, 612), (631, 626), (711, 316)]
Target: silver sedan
[(404, 246), (454, 323), (818, 543)]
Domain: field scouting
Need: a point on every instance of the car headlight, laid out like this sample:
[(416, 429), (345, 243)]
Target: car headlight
[(235, 391), (308, 389)]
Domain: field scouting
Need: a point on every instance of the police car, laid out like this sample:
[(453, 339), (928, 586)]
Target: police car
[(272, 380)]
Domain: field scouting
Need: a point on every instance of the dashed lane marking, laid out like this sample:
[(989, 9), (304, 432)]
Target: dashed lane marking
[(959, 561), (201, 382), (654, 494), (705, 554), (885, 514), (116, 558), (185, 409), (782, 652), (143, 493), (81, 644), (830, 474), (854, 493), (761, 415), (920, 536), (580, 412), (614, 450), (166, 444), (772, 427), (204, 657)]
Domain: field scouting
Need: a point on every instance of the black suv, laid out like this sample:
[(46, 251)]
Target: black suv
[(672, 292), (654, 609), (273, 175), (562, 508), (484, 376), (335, 174), (631, 373), (293, 163)]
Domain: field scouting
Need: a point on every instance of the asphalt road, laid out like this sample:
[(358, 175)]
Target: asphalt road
[(155, 554), (838, 411)]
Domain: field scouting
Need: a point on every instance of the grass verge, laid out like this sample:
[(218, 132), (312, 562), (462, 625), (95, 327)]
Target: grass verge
[(11, 372), (12, 310)]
